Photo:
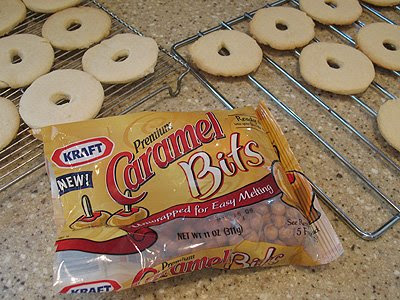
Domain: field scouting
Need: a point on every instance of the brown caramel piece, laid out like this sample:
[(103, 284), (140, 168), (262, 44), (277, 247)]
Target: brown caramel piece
[(286, 234), (278, 221), (270, 232), (262, 209), (278, 208), (268, 219), (292, 213), (256, 222)]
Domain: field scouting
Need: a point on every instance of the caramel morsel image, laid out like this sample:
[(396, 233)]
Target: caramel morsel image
[(90, 218)]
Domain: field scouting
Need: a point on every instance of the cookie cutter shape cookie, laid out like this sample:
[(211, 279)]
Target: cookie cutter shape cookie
[(338, 12), (60, 28), (245, 55), (23, 58), (282, 28), (381, 43), (12, 12), (61, 96), (382, 2), (389, 122), (123, 58), (336, 68), (9, 122), (46, 6)]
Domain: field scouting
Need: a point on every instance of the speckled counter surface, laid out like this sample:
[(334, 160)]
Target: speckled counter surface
[(367, 270)]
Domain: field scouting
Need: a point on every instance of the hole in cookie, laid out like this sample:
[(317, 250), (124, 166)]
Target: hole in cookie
[(224, 52), (16, 59), (60, 99), (120, 56), (333, 64), (390, 46), (74, 26), (63, 101), (281, 26), (331, 3)]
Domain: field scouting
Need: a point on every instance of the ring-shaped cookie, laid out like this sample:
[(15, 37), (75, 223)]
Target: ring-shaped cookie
[(9, 122), (47, 7), (381, 43), (123, 58), (12, 12), (338, 12), (382, 2), (94, 24), (244, 53), (23, 58), (282, 28), (61, 96), (336, 68), (389, 122)]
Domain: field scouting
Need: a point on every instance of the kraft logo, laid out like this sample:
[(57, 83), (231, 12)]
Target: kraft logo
[(99, 286), (83, 152)]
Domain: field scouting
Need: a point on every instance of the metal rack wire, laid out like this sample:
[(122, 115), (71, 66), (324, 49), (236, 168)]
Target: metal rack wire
[(25, 155), (395, 210)]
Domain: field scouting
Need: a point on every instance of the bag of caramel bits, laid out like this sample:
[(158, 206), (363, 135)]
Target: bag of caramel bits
[(151, 195)]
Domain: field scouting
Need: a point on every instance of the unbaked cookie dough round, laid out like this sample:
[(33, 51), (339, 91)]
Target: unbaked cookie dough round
[(9, 122), (244, 53), (389, 122), (12, 12), (381, 43), (46, 6), (282, 28), (81, 97), (338, 12), (23, 58), (139, 56), (382, 2), (336, 68), (94, 23)]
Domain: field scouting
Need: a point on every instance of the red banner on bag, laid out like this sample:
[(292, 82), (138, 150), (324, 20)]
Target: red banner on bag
[(258, 191)]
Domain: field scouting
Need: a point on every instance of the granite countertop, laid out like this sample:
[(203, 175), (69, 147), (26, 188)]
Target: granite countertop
[(368, 269)]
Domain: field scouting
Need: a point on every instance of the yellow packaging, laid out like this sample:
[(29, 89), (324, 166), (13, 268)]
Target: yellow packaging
[(147, 196)]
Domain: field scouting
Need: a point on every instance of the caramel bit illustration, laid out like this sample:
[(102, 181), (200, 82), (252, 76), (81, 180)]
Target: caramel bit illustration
[(297, 192), (128, 215), (90, 218)]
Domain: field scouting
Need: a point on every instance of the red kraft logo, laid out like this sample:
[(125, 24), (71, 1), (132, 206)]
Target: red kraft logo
[(83, 152), (98, 286)]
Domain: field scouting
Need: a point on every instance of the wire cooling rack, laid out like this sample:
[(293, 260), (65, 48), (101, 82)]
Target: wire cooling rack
[(25, 154), (388, 159)]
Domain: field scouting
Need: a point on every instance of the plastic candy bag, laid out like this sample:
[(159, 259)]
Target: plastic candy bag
[(147, 196)]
